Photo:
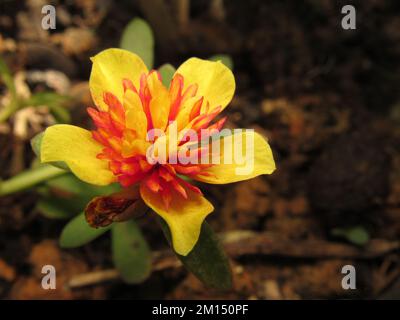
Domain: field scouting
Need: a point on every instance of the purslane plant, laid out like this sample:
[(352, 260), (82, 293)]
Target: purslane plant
[(132, 104), (156, 135)]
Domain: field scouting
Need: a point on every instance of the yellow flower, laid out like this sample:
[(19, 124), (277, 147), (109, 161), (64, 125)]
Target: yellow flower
[(131, 104)]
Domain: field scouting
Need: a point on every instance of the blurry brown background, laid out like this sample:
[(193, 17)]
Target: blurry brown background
[(327, 99)]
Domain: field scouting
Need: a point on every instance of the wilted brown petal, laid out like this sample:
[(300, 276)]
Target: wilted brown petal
[(117, 207)]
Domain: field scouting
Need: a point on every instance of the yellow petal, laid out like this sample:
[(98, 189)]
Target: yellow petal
[(134, 147), (216, 81), (135, 118), (184, 216), (253, 157), (160, 103), (76, 147), (109, 68), (182, 118)]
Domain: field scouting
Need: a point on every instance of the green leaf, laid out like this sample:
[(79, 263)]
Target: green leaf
[(29, 178), (7, 78), (207, 261), (36, 143), (357, 235), (55, 208), (54, 101), (131, 253), (73, 185), (138, 38), (77, 232), (167, 71), (47, 98), (66, 196), (224, 58)]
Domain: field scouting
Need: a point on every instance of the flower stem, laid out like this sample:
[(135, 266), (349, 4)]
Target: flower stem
[(29, 178)]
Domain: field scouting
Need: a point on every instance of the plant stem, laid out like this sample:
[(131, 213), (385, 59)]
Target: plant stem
[(29, 178), (6, 77), (9, 110)]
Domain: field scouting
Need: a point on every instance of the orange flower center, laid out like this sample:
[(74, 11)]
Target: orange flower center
[(125, 148)]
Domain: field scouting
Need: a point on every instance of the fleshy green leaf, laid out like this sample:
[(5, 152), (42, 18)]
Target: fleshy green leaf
[(207, 261), (36, 142), (6, 77), (29, 178), (167, 71), (55, 208), (54, 101), (66, 196), (356, 235), (138, 38), (77, 232), (224, 58), (131, 253), (73, 185)]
